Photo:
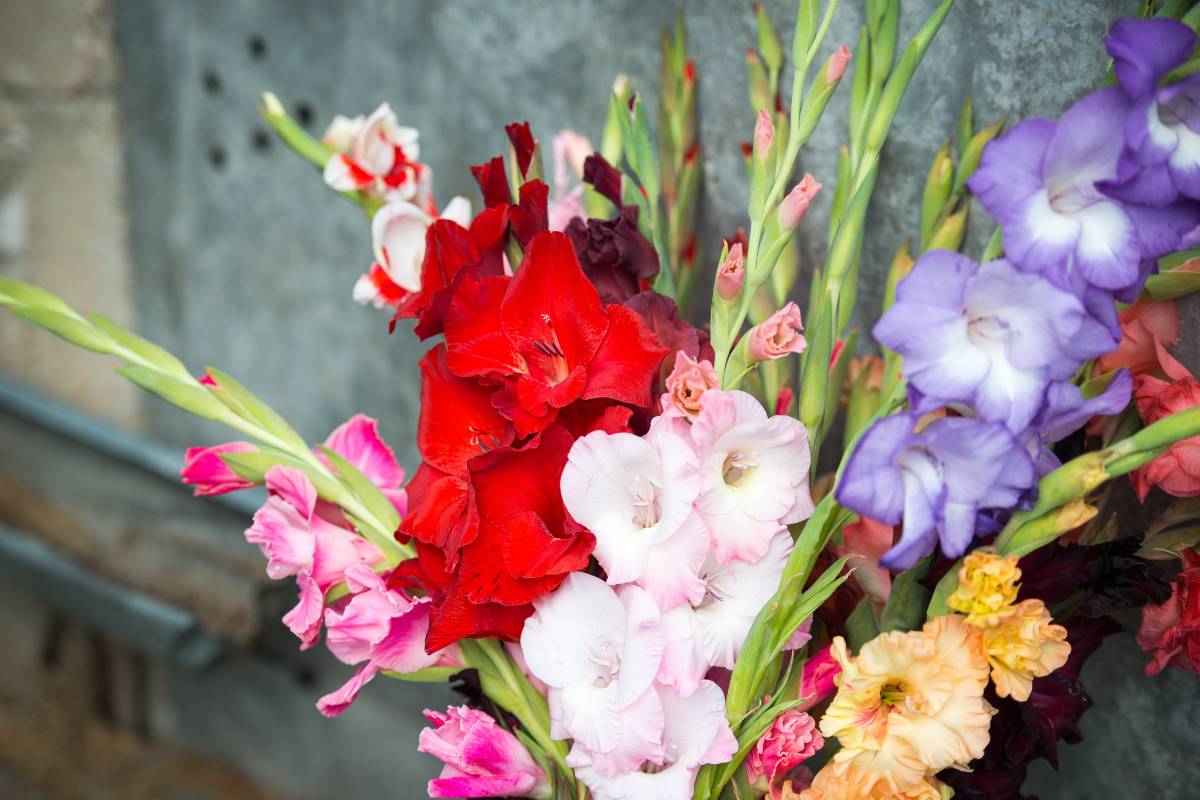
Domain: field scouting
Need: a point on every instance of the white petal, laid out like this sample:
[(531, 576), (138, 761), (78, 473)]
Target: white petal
[(398, 236), (572, 630), (591, 717), (736, 593), (642, 652), (458, 210)]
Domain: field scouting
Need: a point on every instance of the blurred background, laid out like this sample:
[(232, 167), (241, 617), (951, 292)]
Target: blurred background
[(140, 649)]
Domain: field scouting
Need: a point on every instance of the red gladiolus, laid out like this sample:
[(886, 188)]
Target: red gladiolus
[(1177, 471), (1170, 632), (548, 339), (1142, 325)]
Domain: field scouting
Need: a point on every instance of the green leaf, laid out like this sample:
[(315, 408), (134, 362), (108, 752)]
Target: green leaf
[(252, 465), (1181, 280), (366, 491), (906, 605), (191, 397), (994, 247), (938, 605), (144, 349), (966, 125), (245, 404), (968, 162), (67, 326), (768, 40), (862, 625), (938, 184), (427, 675), (14, 292)]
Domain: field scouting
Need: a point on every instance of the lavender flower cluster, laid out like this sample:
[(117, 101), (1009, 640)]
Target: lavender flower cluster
[(1087, 205)]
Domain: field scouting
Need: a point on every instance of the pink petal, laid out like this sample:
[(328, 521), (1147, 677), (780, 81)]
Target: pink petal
[(204, 469), (282, 535), (338, 701), (294, 487), (357, 440), (304, 619)]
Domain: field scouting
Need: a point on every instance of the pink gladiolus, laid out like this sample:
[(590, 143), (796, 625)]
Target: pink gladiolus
[(481, 758), (686, 384), (753, 473), (382, 627), (777, 336), (204, 469), (837, 65), (791, 739), (764, 133), (818, 680), (298, 541), (865, 541), (731, 275), (795, 205), (358, 441)]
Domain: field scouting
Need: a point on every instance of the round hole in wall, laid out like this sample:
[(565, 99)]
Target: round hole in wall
[(257, 46), (261, 140), (216, 157), (304, 113), (212, 81)]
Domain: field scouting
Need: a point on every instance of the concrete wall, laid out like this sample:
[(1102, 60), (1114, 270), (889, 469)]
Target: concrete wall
[(136, 180)]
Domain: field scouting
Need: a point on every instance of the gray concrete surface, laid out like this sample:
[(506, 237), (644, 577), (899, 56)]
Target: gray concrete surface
[(241, 258)]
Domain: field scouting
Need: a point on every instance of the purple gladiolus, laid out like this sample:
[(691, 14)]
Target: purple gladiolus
[(1161, 156), (937, 480), (988, 336), (1042, 182), (1065, 410)]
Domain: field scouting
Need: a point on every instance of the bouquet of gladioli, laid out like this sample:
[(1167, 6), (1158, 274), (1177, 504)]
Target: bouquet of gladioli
[(721, 559)]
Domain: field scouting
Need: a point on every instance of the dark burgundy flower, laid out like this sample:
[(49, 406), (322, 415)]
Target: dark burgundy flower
[(493, 182), (1170, 632), (614, 254), (523, 143), (603, 177)]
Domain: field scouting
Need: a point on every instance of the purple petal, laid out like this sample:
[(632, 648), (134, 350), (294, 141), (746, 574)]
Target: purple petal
[(871, 483), (1163, 230), (1108, 253), (1036, 237), (1066, 410), (1144, 50), (1084, 148), (1011, 167)]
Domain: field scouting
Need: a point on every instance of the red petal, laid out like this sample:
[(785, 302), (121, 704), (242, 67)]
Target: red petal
[(437, 506), (456, 617), (627, 362), (523, 143), (458, 421), (477, 345), (551, 304), (531, 216), (492, 182)]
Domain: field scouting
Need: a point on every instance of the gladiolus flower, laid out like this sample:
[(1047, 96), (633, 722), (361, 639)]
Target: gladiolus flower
[(204, 469), (837, 65), (753, 473), (910, 704), (599, 651), (866, 541), (481, 758), (987, 584), (792, 738), (795, 205), (833, 783), (382, 627), (731, 275), (1142, 325), (764, 133), (1177, 471), (695, 732), (635, 494), (686, 384), (376, 154), (1021, 644), (776, 336), (1170, 632)]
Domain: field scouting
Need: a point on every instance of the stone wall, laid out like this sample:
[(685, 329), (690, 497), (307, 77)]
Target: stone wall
[(136, 180)]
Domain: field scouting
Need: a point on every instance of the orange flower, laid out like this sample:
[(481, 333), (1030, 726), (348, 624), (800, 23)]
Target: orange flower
[(1177, 471), (1143, 324), (987, 584), (1021, 644)]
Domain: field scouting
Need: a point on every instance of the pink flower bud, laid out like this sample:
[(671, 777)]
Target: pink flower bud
[(730, 275), (204, 469), (818, 680), (764, 132), (687, 382), (795, 205), (791, 739), (777, 336), (482, 758), (837, 65)]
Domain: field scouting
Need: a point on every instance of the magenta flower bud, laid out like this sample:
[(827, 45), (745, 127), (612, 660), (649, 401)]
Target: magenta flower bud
[(837, 65), (795, 205), (791, 739), (764, 132), (731, 275), (482, 759), (818, 680), (777, 336), (204, 469)]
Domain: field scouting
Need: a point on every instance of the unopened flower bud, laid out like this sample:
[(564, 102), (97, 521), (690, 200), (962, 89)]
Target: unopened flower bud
[(764, 132), (731, 275), (795, 205), (837, 65)]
